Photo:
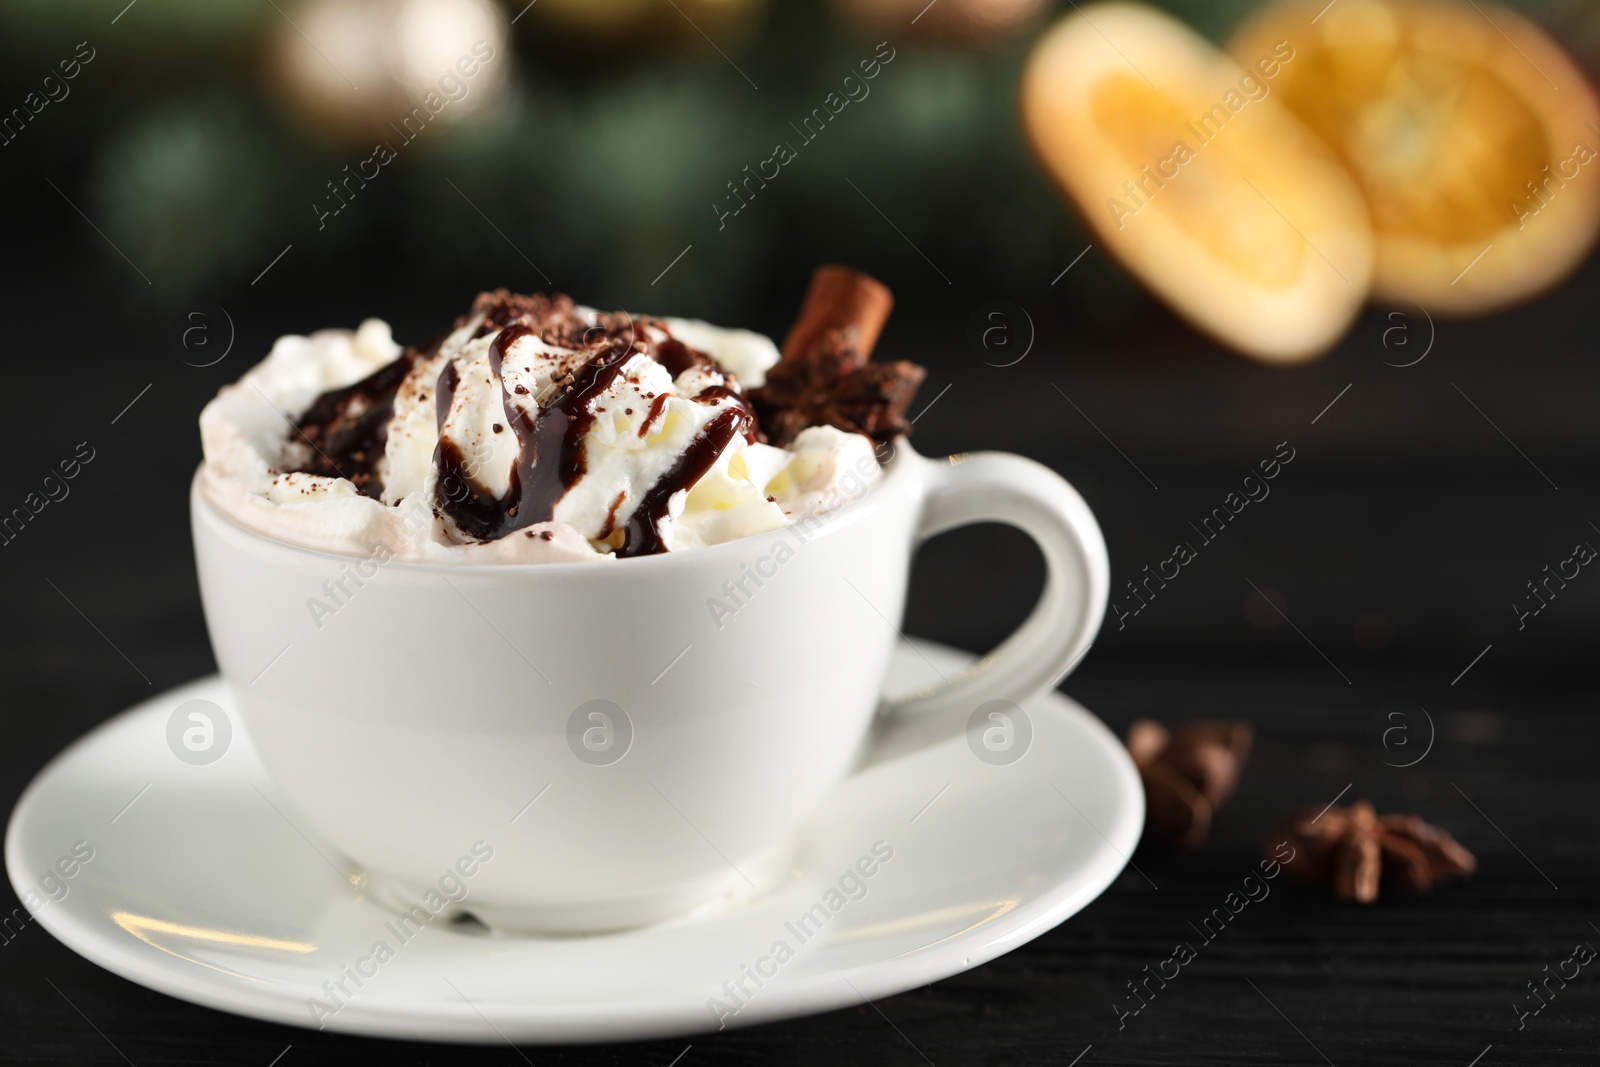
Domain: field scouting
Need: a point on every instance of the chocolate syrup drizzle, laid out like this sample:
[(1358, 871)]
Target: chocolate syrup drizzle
[(643, 528), (550, 454), (347, 428)]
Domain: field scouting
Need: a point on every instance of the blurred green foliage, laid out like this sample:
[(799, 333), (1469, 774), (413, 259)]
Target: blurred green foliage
[(597, 166)]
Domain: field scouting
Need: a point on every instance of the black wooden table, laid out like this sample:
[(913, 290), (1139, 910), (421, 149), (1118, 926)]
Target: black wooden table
[(1420, 503), (1296, 977)]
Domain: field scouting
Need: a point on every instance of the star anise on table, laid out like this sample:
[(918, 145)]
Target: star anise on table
[(1188, 774), (834, 384), (1355, 848)]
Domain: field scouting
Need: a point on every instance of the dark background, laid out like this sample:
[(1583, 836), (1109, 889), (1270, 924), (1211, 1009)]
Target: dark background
[(1396, 541)]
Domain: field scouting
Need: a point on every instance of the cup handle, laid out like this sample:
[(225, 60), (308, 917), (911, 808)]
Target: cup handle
[(1000, 487)]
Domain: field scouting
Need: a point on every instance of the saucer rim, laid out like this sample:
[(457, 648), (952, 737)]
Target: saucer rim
[(596, 1022)]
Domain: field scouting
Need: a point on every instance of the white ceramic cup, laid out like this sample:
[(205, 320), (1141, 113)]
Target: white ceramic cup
[(672, 744)]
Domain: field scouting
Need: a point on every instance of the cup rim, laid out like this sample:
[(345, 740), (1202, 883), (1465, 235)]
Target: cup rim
[(902, 458)]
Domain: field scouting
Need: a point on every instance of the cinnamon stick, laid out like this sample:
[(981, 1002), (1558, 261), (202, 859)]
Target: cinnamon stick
[(824, 377), (839, 299)]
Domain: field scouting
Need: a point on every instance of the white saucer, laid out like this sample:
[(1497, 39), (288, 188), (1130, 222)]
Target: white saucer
[(202, 889)]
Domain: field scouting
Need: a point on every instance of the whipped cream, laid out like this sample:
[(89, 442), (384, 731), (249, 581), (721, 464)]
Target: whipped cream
[(535, 431)]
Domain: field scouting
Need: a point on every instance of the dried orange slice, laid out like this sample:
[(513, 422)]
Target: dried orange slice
[(1193, 174), (1471, 133)]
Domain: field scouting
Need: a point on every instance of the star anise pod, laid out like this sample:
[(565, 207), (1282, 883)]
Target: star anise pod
[(1187, 775), (1357, 849), (824, 377), (835, 385)]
